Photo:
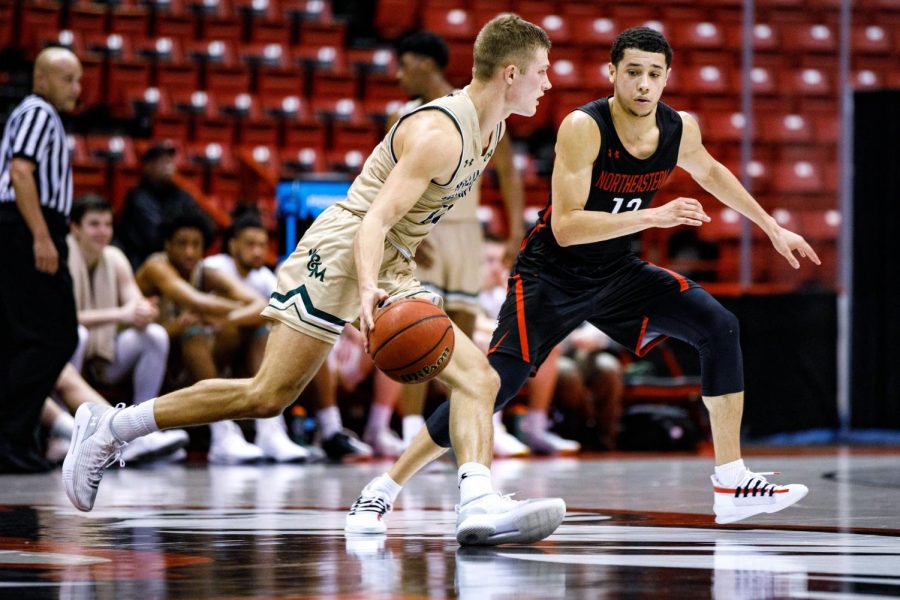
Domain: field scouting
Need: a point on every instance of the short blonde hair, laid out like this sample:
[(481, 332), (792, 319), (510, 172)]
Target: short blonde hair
[(506, 39)]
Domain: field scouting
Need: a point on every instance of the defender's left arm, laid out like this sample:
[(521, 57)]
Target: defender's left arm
[(721, 183)]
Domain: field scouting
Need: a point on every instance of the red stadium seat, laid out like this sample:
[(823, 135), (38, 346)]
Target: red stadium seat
[(866, 79), (723, 127), (329, 85), (365, 61), (130, 21), (277, 82), (871, 40), (222, 79), (485, 10), (177, 77), (762, 80), (556, 25), (791, 128), (355, 136), (766, 38), (449, 23), (347, 160), (87, 19), (459, 70), (194, 103), (705, 79), (220, 28), (804, 37), (380, 88), (798, 177), (173, 25), (298, 160), (320, 58), (698, 36), (393, 18), (124, 75), (211, 52), (565, 74), (807, 82), (323, 34)]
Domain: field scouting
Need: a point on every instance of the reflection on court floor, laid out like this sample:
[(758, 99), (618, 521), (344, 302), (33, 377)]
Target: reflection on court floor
[(636, 527)]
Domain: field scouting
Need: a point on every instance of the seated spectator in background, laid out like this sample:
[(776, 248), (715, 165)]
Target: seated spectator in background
[(156, 200), (116, 329), (247, 246), (71, 391), (589, 389), (536, 425), (212, 320)]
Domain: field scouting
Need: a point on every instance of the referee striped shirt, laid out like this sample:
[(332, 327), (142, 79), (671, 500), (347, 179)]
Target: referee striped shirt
[(35, 132)]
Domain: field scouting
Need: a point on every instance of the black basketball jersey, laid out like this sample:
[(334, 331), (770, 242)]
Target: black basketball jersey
[(619, 182)]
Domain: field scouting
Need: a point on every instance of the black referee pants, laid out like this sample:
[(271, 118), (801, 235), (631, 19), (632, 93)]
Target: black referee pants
[(38, 334)]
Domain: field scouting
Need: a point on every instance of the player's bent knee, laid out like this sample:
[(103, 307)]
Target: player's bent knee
[(156, 338), (486, 382), (270, 401)]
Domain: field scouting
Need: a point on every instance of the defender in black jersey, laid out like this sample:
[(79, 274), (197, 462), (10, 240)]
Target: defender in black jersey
[(576, 265)]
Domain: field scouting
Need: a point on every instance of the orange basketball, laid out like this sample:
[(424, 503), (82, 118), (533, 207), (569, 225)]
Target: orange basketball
[(412, 340)]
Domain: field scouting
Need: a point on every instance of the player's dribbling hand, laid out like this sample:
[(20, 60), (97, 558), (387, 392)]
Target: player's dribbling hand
[(787, 241), (680, 211), (46, 258), (368, 303)]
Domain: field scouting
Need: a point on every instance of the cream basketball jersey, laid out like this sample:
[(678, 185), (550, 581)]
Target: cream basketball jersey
[(466, 208), (440, 198)]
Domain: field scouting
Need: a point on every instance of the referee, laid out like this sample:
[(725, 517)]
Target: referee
[(38, 323)]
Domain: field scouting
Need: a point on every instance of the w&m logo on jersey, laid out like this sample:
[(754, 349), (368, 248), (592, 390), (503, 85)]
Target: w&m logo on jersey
[(313, 265)]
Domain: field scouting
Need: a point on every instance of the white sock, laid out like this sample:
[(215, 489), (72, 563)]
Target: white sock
[(474, 481), (379, 418), (385, 484), (412, 425), (731, 474), (329, 421), (535, 421), (134, 421), (63, 426)]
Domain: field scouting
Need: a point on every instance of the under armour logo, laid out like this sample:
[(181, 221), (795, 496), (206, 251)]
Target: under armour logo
[(612, 154), (468, 162)]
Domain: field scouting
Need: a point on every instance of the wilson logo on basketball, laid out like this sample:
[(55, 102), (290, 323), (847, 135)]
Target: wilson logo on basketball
[(427, 369)]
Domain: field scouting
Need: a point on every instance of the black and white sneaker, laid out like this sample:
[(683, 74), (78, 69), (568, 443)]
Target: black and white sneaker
[(368, 512), (344, 446)]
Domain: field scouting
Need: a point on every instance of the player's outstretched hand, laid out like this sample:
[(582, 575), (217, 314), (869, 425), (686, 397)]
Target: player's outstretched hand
[(369, 299), (786, 242), (680, 211)]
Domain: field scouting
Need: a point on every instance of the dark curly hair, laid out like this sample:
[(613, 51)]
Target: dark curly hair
[(640, 38), (426, 43)]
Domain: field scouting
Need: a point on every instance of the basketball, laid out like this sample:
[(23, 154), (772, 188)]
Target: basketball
[(411, 340)]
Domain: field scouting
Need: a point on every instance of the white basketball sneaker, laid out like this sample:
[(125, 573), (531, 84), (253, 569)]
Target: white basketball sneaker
[(754, 495), (273, 440), (368, 512), (227, 445), (94, 448), (506, 444), (155, 445), (384, 442), (494, 519)]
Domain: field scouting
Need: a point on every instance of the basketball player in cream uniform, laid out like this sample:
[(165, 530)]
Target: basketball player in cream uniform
[(444, 262), (356, 255), (324, 261)]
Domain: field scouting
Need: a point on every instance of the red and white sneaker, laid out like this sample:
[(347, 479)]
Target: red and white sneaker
[(368, 512), (754, 495)]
